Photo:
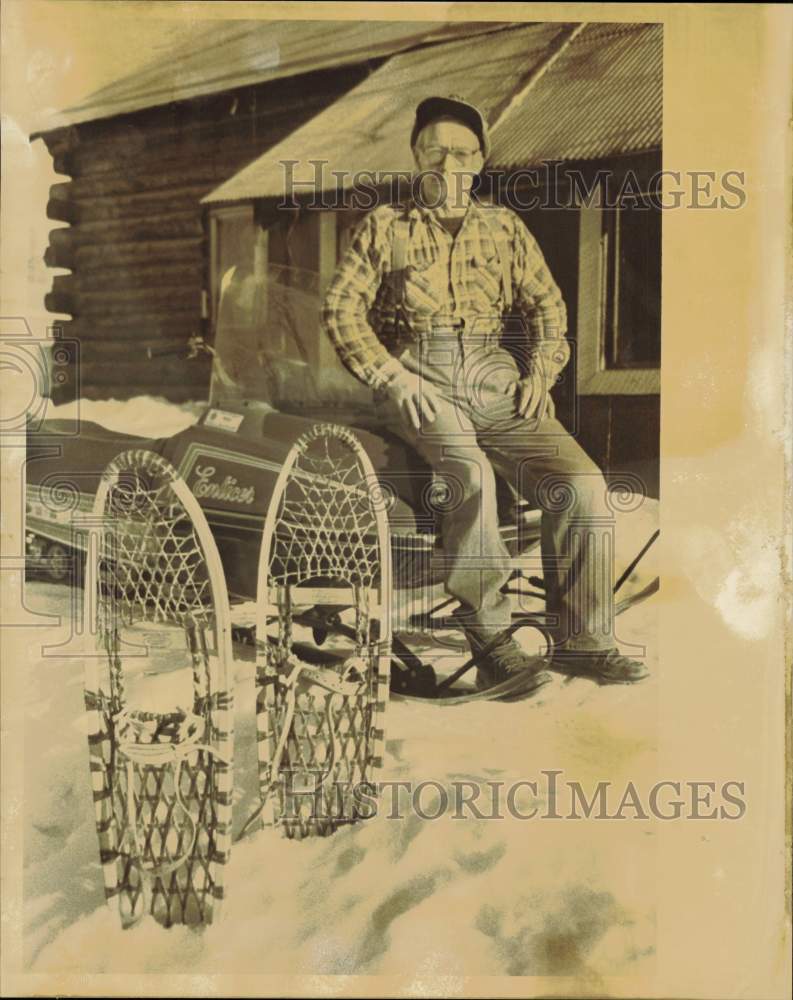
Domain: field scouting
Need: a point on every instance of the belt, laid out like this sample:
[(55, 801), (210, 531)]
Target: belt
[(437, 324)]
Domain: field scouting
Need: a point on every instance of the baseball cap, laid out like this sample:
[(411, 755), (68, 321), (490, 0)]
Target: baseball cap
[(433, 108)]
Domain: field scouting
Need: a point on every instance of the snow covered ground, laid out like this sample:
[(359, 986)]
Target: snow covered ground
[(431, 899), (410, 896), (145, 416)]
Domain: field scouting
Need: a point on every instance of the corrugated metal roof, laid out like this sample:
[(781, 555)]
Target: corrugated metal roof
[(229, 54), (602, 97), (368, 128)]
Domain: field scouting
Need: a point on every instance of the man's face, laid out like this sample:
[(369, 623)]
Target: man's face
[(449, 149)]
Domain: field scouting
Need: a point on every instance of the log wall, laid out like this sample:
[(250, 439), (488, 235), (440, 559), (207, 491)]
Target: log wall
[(135, 244)]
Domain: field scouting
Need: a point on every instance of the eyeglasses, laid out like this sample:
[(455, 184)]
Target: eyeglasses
[(437, 154)]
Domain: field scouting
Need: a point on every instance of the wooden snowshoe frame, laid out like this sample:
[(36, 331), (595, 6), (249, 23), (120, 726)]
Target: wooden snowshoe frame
[(321, 728), (162, 779)]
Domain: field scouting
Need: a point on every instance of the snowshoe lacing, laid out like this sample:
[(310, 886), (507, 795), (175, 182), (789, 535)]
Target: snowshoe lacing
[(149, 740), (337, 685)]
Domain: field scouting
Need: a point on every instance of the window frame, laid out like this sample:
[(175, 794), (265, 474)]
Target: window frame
[(593, 377), (216, 216)]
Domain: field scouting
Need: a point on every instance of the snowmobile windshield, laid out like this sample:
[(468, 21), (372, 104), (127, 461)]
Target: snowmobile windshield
[(269, 345)]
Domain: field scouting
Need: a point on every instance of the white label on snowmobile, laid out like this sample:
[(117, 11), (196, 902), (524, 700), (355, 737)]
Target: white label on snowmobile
[(223, 420), (229, 489)]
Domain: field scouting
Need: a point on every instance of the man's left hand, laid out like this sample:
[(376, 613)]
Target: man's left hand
[(531, 396)]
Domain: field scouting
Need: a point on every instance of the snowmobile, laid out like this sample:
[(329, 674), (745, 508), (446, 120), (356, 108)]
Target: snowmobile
[(274, 377)]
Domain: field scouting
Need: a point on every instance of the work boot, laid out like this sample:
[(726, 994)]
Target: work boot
[(607, 666), (504, 661)]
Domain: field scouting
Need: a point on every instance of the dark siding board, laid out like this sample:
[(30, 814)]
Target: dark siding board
[(129, 179), (144, 372), (592, 420), (60, 140), (134, 345), (128, 256), (164, 225), (62, 209), (63, 190), (168, 273), (164, 325), (103, 379), (119, 303), (125, 184), (216, 150), (67, 251), (635, 438), (59, 256), (622, 435), (113, 207)]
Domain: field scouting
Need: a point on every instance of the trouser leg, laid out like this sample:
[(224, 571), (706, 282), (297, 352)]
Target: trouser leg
[(476, 559), (549, 469)]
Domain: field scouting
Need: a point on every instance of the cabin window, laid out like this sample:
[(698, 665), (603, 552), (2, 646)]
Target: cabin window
[(619, 302), (632, 319), (269, 270), (231, 238)]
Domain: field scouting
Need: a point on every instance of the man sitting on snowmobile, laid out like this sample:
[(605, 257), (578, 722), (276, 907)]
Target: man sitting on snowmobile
[(415, 311)]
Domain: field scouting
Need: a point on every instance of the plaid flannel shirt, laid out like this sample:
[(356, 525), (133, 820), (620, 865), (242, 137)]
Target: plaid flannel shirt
[(446, 281)]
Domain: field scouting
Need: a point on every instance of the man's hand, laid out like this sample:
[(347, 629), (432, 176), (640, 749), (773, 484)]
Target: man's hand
[(413, 397), (531, 395)]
